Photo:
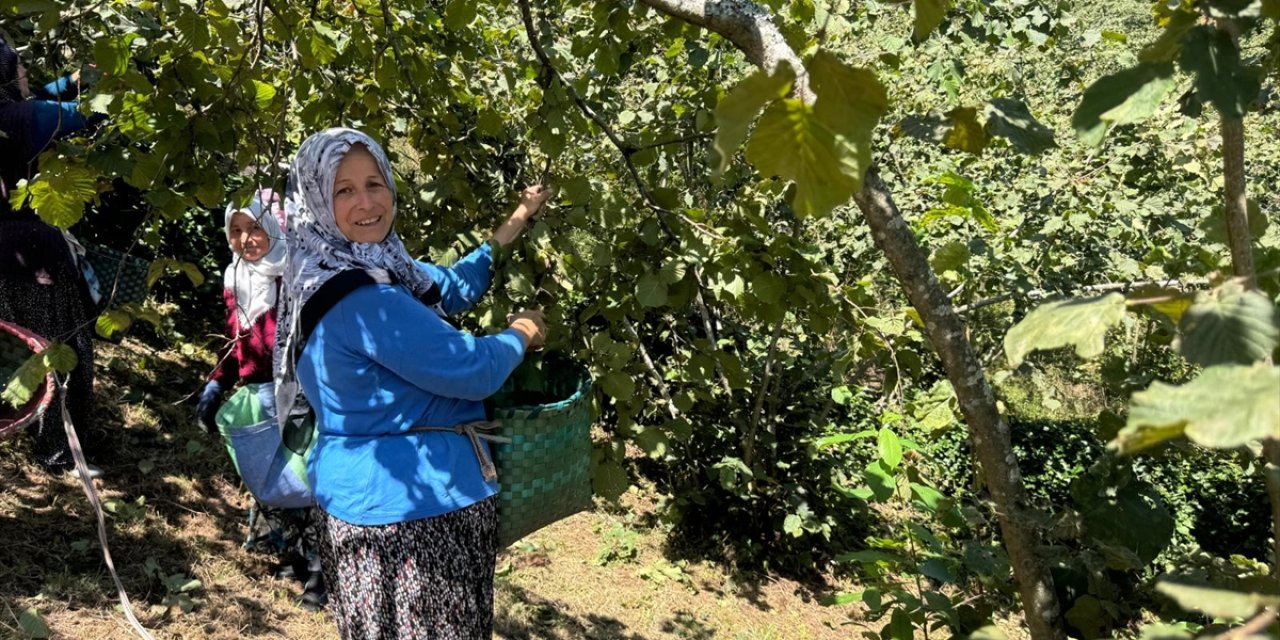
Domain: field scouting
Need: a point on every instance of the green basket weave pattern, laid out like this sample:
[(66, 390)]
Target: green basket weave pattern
[(107, 262), (544, 474), (16, 346)]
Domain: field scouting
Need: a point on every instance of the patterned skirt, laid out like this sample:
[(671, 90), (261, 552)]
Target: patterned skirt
[(429, 579)]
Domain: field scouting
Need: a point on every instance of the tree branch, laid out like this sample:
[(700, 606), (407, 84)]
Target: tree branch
[(1036, 294), (748, 26), (653, 370), (749, 442)]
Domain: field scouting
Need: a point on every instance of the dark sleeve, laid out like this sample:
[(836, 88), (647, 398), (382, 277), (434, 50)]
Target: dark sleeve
[(227, 372), (61, 89)]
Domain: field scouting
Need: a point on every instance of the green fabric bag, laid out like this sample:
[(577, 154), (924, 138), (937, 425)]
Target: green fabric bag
[(274, 473), (544, 473)]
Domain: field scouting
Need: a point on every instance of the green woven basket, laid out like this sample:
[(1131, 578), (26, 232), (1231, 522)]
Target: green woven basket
[(544, 474), (107, 262), (16, 346)]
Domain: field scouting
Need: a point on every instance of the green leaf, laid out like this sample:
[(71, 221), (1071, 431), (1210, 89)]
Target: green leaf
[(31, 373), (609, 479), (1224, 407), (1080, 323), (1129, 96), (192, 272), (768, 287), (263, 94), (966, 134), (618, 385), (825, 149), (651, 291), (841, 599), (112, 54), (929, 15), (1216, 603), (1213, 58), (949, 257), (1229, 325), (739, 107), (1010, 119), (459, 13), (1167, 47), (112, 321), (889, 447), (32, 624), (850, 100), (990, 632), (793, 525), (60, 193), (791, 143)]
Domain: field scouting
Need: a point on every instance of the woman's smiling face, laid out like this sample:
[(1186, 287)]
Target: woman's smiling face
[(362, 201), (248, 239)]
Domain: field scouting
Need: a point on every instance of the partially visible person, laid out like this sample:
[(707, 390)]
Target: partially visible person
[(30, 123), (408, 509), (41, 286), (251, 284)]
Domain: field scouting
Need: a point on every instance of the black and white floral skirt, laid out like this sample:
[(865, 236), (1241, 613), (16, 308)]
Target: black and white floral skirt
[(430, 578)]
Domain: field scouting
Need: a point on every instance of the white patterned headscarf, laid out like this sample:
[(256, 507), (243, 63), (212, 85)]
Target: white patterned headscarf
[(318, 250), (254, 283)]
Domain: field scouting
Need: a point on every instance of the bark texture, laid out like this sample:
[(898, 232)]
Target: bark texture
[(987, 429), (748, 26)]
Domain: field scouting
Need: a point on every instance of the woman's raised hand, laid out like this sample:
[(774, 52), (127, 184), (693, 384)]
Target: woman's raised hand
[(531, 325), (531, 200)]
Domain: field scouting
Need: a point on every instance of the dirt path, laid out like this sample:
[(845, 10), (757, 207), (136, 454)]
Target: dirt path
[(177, 516)]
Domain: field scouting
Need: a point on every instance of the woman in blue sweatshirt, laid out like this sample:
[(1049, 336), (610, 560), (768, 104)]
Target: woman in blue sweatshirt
[(408, 517)]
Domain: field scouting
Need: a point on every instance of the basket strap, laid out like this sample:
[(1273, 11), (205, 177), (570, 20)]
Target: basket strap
[(92, 493), (475, 432)]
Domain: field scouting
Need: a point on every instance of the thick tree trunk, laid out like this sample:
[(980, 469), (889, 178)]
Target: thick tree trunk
[(987, 428), (1240, 242), (1237, 200), (750, 27)]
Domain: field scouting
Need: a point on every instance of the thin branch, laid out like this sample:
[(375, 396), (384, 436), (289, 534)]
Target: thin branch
[(749, 445), (624, 148), (653, 370), (1036, 294), (681, 139)]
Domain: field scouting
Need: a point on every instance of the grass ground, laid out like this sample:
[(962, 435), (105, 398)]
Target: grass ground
[(176, 514)]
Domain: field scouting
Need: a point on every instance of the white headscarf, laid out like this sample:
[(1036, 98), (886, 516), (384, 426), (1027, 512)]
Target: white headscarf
[(318, 250), (254, 283)]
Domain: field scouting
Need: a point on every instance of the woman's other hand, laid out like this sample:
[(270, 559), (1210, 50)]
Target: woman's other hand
[(531, 325), (531, 201)]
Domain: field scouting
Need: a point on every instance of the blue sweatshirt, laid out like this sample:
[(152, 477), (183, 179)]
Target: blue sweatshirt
[(56, 114), (380, 362)]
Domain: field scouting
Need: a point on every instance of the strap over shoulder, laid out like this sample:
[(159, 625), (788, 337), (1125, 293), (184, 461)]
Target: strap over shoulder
[(332, 292)]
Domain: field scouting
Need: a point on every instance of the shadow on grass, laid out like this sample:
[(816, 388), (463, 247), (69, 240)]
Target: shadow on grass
[(520, 614)]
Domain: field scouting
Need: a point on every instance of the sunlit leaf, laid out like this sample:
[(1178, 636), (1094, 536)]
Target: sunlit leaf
[(1214, 602), (1129, 96), (32, 624), (1229, 325), (60, 193), (928, 15), (31, 373), (1081, 323), (1225, 406), (740, 106), (1221, 79)]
